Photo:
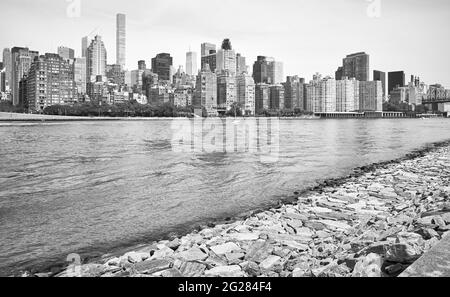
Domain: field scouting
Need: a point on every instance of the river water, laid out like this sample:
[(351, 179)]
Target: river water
[(96, 187)]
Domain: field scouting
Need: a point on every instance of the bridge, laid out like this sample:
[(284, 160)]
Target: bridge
[(436, 94)]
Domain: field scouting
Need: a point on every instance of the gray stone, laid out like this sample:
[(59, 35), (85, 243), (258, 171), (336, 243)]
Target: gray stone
[(270, 262), (225, 248), (226, 271), (152, 266), (193, 254), (192, 269), (369, 266)]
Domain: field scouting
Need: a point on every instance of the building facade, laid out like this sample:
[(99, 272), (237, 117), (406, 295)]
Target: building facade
[(294, 93), (22, 59), (395, 79), (347, 95), (246, 93), (380, 76), (96, 59), (226, 59), (79, 75), (276, 102), (7, 64), (162, 65), (50, 82), (191, 63), (226, 90), (66, 53), (370, 96), (121, 39), (356, 66), (206, 91), (262, 98)]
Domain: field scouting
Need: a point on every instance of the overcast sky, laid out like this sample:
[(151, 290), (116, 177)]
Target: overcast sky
[(308, 36)]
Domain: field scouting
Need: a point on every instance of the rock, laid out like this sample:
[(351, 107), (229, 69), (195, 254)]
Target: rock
[(319, 210), (402, 253), (113, 262), (244, 236), (258, 251), (251, 268), (135, 257), (171, 273), (234, 258), (152, 266), (270, 262), (225, 271), (396, 269), (174, 244), (315, 225), (335, 225), (192, 269), (295, 245), (225, 248), (193, 254), (164, 252), (369, 266), (446, 217)]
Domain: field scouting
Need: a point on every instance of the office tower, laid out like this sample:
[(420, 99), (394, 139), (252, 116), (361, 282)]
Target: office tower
[(21, 59), (191, 63), (226, 90), (162, 65), (370, 96), (262, 98), (7, 64), (84, 46), (246, 93), (380, 76), (96, 59), (79, 74), (142, 65), (208, 49), (261, 70), (121, 40), (276, 101), (115, 74), (2, 78), (339, 73), (23, 96), (206, 91), (347, 95), (149, 81), (210, 60), (276, 73), (357, 66), (66, 53), (50, 82), (293, 93), (226, 58), (395, 79), (241, 65)]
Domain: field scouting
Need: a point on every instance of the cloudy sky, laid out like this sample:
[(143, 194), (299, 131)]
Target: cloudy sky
[(308, 36)]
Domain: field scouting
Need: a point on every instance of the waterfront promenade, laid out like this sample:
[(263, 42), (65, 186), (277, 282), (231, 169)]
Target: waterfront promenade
[(375, 222)]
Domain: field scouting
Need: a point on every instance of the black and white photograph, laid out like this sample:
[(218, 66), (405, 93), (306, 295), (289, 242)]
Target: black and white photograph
[(224, 145)]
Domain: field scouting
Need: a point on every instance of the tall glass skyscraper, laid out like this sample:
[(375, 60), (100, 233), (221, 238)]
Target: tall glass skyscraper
[(121, 40), (191, 63)]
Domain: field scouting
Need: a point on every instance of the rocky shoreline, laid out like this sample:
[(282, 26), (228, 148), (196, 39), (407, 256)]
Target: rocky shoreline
[(375, 222)]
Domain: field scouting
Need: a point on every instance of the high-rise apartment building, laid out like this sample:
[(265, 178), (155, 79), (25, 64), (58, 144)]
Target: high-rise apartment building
[(241, 65), (7, 64), (226, 90), (21, 62), (395, 79), (370, 96), (226, 59), (262, 98), (191, 63), (96, 59), (380, 76), (321, 95), (206, 91), (246, 93), (84, 46), (79, 75), (347, 95), (293, 93), (357, 66), (50, 82), (276, 102), (162, 65), (66, 53), (121, 40)]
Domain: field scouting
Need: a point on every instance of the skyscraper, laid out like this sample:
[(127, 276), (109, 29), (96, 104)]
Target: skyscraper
[(241, 65), (293, 93), (191, 63), (395, 79), (21, 63), (276, 72), (347, 95), (206, 91), (50, 82), (7, 64), (162, 65), (66, 53), (276, 101), (357, 66), (142, 65), (226, 58), (121, 40), (226, 90), (262, 98), (84, 46), (96, 59), (380, 76), (246, 93), (207, 49), (2, 79), (261, 70), (79, 75)]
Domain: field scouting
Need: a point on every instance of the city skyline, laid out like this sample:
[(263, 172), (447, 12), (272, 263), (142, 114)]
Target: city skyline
[(315, 51)]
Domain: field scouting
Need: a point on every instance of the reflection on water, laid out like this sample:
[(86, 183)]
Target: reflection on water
[(94, 186)]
